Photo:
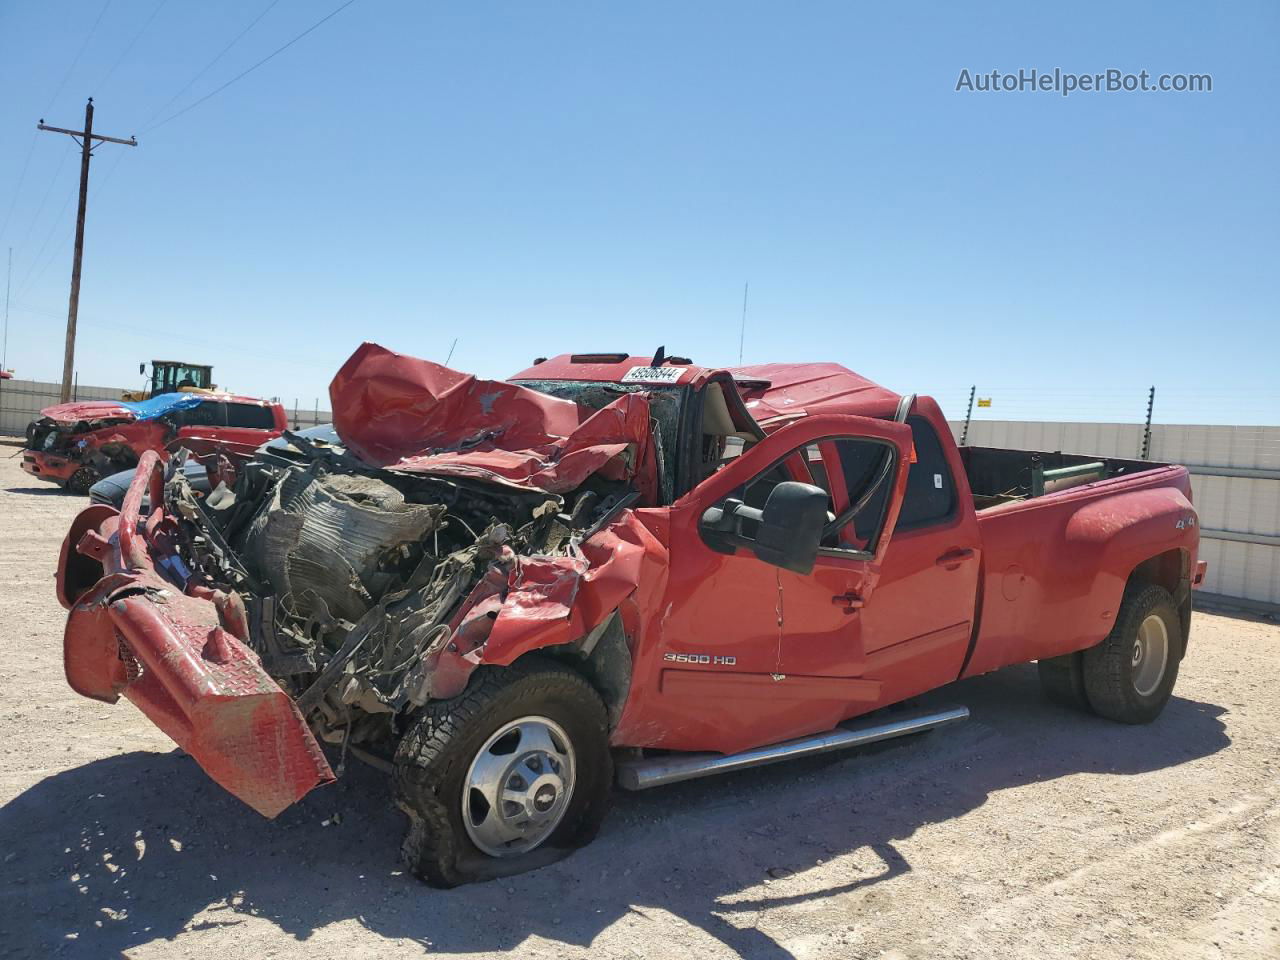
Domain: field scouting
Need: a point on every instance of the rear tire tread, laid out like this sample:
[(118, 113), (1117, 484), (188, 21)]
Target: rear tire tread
[(1108, 667)]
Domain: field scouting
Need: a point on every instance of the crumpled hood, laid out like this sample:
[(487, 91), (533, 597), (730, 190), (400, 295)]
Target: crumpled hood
[(122, 411), (69, 413), (407, 414)]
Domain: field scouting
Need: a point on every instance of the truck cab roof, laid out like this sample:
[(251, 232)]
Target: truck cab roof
[(771, 391)]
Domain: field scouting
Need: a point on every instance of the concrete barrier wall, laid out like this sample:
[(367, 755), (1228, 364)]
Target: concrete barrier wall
[(1235, 481), (22, 400)]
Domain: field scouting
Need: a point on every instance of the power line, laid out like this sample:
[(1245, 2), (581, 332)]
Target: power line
[(89, 36), (205, 69), (53, 227), (45, 199), (29, 280), (245, 73), (22, 178), (124, 53)]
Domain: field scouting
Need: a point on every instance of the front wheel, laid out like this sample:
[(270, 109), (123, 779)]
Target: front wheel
[(1129, 677), (511, 775), (82, 480)]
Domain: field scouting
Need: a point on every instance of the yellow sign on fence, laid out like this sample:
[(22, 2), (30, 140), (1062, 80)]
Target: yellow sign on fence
[(984, 401)]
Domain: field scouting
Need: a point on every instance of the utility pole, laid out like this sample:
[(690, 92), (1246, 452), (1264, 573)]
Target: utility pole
[(86, 138)]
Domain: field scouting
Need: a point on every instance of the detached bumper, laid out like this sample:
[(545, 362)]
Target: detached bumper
[(48, 466), (179, 656)]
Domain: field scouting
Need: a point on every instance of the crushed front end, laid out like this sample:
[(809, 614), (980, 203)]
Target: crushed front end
[(324, 591), (76, 444), (140, 626)]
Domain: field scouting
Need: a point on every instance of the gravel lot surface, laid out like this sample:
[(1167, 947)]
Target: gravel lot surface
[(1030, 831)]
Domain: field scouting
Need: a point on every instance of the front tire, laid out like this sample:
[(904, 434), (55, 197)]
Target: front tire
[(82, 480), (1129, 677), (511, 775)]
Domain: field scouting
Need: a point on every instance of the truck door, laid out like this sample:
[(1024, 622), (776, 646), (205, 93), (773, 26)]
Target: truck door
[(917, 632), (248, 424), (202, 420), (731, 621), (823, 637)]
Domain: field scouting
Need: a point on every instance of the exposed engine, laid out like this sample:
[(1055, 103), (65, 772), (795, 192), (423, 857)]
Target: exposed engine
[(372, 591)]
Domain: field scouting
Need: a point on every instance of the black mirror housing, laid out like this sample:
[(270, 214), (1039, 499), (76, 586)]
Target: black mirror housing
[(788, 529), (791, 525)]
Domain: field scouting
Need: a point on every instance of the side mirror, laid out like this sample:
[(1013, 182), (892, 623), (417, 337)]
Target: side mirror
[(788, 530), (142, 368)]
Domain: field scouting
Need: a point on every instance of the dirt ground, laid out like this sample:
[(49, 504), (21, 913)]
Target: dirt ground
[(1030, 831)]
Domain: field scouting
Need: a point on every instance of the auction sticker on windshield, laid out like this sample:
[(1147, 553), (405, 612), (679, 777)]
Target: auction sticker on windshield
[(654, 374)]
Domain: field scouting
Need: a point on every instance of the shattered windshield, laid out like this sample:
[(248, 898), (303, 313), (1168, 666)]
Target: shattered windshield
[(666, 403)]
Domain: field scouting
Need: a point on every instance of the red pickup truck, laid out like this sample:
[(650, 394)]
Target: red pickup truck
[(510, 594), (77, 444)]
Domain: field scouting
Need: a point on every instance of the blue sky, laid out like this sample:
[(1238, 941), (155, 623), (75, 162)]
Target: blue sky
[(534, 178)]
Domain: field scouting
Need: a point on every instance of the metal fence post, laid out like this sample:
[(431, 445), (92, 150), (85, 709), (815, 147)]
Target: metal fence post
[(964, 434), (1146, 433)]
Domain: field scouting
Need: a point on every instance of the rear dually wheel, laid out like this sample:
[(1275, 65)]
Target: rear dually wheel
[(1129, 677)]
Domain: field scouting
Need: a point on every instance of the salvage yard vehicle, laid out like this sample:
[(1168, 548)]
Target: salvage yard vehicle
[(77, 444), (511, 594), (173, 376)]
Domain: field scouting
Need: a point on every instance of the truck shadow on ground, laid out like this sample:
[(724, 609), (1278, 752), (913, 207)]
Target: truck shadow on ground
[(49, 491), (132, 849)]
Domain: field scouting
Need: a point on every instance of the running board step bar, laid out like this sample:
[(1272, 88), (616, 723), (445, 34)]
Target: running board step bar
[(641, 774)]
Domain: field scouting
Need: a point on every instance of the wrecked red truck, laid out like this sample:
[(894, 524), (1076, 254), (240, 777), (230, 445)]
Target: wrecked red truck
[(510, 595), (77, 444)]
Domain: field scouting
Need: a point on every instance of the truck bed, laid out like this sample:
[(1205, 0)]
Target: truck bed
[(998, 476)]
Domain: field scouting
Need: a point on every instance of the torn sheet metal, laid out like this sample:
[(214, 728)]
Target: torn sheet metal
[(181, 658), (413, 415), (557, 600)]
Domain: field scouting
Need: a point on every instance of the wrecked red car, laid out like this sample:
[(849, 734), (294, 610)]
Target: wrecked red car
[(77, 444), (510, 594)]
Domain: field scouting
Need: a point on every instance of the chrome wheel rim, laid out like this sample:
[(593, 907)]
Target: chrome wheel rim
[(518, 786), (1150, 655)]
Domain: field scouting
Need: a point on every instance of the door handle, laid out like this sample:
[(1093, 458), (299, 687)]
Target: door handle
[(953, 558), (850, 601)]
